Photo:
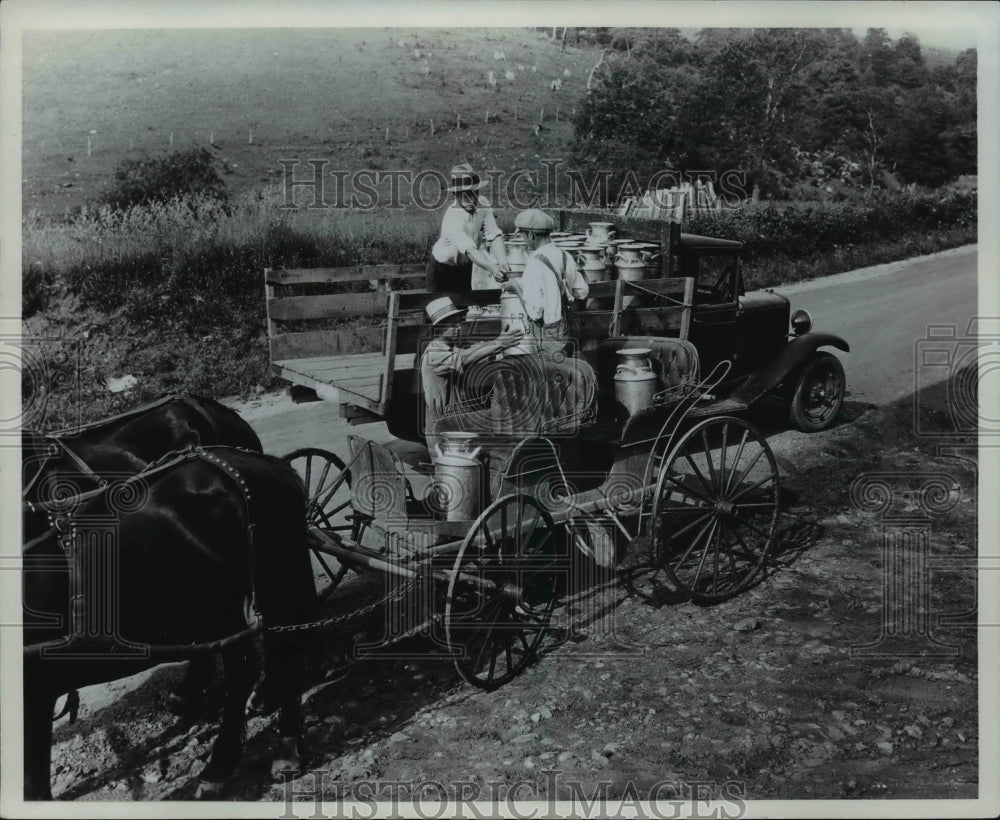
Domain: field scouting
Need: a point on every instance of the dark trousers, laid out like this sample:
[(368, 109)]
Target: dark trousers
[(443, 278)]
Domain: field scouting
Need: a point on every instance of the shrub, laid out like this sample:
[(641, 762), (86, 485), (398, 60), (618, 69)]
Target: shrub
[(177, 175), (36, 284)]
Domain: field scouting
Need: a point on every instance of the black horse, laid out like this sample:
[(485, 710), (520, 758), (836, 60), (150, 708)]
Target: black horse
[(76, 460), (170, 557), (124, 444)]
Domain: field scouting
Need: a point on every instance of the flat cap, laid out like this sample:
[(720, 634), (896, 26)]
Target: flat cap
[(535, 220)]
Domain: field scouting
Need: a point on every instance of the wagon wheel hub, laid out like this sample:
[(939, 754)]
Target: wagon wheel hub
[(725, 507)]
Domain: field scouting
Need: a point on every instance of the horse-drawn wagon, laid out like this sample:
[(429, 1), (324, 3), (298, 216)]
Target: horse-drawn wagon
[(632, 446), (635, 438)]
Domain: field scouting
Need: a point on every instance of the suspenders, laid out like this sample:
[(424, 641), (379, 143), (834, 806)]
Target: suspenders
[(560, 277)]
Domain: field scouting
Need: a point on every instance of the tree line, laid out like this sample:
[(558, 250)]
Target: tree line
[(803, 113)]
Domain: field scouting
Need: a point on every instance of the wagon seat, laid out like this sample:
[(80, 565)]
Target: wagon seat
[(537, 409), (675, 362)]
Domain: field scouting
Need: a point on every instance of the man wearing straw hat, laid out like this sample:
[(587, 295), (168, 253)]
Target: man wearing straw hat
[(449, 270), (551, 280), (444, 361)]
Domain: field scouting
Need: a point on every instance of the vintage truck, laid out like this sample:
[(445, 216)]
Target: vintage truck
[(361, 348)]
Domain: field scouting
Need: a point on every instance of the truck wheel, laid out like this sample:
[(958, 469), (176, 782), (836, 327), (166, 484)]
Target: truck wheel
[(818, 393)]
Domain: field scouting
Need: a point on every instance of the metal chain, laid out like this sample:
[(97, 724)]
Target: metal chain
[(326, 623)]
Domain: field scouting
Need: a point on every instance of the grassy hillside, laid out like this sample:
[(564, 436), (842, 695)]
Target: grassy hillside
[(297, 93), (173, 297)]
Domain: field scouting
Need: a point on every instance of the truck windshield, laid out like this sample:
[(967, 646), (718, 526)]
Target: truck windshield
[(715, 280)]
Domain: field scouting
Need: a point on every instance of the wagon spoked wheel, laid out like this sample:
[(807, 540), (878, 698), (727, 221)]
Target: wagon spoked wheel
[(715, 509), (503, 587), (328, 506)]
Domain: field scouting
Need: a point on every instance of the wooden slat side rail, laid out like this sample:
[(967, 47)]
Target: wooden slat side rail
[(272, 329), (674, 287), (614, 327), (410, 300), (391, 336), (594, 324), (411, 306), (286, 346), (329, 306), (357, 273), (685, 328)]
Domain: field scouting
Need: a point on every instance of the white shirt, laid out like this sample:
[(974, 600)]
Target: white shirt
[(543, 293), (460, 232)]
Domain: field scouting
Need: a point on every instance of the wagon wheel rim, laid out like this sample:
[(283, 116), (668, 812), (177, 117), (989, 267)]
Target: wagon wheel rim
[(496, 630), (716, 509), (328, 507), (822, 394)]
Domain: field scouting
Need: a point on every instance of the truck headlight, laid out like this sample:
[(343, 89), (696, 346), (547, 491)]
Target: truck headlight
[(802, 322)]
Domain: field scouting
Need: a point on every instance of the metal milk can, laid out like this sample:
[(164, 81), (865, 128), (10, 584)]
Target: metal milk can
[(601, 232), (517, 253), (590, 258), (458, 477), (648, 251), (513, 315), (635, 381), (592, 263), (630, 266)]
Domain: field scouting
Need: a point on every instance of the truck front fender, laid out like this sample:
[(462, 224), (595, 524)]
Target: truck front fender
[(793, 356)]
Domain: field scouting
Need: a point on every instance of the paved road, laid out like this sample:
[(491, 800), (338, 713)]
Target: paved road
[(883, 312)]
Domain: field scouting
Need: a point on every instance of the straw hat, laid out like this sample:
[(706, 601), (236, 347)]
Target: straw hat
[(442, 308), (463, 178)]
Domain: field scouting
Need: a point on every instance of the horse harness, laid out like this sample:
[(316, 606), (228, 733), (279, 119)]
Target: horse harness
[(60, 513), (57, 446)]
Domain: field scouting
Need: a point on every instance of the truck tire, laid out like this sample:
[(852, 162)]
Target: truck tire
[(818, 393)]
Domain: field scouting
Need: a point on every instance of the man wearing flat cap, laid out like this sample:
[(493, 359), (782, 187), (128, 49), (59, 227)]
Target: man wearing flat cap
[(445, 360), (467, 219), (551, 280)]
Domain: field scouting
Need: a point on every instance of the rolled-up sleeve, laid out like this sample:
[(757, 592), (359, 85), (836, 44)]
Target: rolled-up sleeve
[(442, 360), (490, 228), (453, 230)]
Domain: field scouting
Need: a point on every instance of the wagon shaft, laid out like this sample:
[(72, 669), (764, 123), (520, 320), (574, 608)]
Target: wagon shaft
[(357, 555)]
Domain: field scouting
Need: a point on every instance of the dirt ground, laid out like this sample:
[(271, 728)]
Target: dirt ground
[(827, 679)]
